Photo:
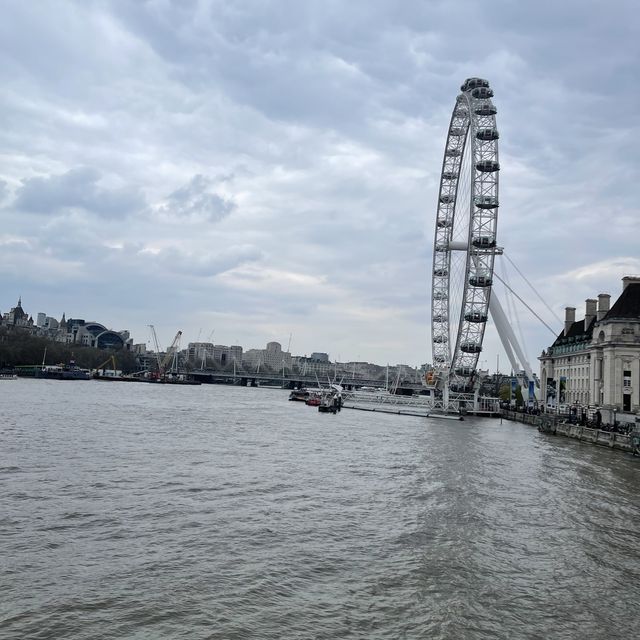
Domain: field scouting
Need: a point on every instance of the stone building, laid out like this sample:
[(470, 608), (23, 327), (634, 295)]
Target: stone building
[(312, 366), (71, 331), (17, 318), (200, 352), (272, 357), (206, 353), (596, 360)]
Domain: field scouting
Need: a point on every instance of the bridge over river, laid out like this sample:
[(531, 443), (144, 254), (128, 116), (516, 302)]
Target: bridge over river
[(291, 380)]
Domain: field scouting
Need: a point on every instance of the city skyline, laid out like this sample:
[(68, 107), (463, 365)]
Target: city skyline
[(274, 170), (41, 320)]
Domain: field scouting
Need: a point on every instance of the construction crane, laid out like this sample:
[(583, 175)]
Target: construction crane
[(172, 355), (110, 360), (157, 346)]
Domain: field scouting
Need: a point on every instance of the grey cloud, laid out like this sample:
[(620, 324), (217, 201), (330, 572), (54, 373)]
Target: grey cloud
[(337, 113), (196, 199), (206, 265), (77, 189)]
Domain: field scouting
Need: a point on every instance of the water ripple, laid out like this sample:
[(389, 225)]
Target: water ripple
[(225, 513)]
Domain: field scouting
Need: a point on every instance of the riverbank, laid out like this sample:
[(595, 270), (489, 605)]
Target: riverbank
[(557, 426)]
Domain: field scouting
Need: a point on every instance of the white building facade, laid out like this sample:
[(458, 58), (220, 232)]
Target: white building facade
[(596, 361)]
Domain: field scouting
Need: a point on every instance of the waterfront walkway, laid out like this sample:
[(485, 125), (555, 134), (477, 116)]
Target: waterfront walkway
[(559, 426)]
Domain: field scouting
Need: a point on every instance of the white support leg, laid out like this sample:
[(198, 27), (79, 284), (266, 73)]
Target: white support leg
[(507, 336)]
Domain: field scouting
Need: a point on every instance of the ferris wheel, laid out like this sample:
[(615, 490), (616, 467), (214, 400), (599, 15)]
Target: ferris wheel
[(465, 239)]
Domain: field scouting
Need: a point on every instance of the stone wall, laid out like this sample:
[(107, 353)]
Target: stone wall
[(555, 425)]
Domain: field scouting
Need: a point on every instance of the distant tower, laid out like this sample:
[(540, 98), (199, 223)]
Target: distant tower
[(18, 313)]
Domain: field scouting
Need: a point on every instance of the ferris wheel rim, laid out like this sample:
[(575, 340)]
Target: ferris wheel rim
[(472, 131)]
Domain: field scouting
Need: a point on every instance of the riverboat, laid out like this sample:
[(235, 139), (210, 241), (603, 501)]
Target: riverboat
[(63, 372), (299, 395), (8, 376), (331, 400)]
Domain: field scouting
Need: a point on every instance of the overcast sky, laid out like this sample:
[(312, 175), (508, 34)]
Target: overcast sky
[(267, 168)]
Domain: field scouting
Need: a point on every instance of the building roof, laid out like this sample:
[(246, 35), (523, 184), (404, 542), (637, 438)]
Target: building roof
[(576, 333), (627, 305), (18, 311)]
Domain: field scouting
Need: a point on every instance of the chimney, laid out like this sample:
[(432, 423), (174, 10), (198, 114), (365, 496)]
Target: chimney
[(569, 318), (603, 305), (629, 280), (590, 312)]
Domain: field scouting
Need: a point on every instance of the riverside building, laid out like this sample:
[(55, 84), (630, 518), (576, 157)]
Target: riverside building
[(67, 331), (272, 357), (207, 353), (595, 361)]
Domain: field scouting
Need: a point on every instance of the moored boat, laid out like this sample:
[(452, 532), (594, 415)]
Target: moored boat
[(63, 372), (331, 401)]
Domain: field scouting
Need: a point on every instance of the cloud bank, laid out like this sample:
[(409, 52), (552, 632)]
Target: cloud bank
[(272, 168)]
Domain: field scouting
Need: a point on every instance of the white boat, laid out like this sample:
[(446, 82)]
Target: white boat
[(331, 399), (445, 416), (8, 376)]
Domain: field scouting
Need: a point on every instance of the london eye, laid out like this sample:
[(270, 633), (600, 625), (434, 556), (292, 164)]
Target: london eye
[(465, 247)]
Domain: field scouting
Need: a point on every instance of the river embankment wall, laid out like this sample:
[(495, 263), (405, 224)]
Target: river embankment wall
[(557, 426)]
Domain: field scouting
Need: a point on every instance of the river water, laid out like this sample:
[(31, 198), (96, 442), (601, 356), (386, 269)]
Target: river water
[(145, 512)]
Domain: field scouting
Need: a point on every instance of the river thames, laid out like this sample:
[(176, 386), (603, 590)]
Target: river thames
[(143, 511)]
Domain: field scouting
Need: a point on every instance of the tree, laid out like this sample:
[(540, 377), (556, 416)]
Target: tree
[(18, 348), (505, 393), (519, 398)]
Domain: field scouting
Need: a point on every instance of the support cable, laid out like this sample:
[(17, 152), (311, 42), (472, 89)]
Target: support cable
[(554, 333), (555, 315)]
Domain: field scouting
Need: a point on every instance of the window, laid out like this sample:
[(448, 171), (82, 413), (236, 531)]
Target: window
[(626, 382)]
